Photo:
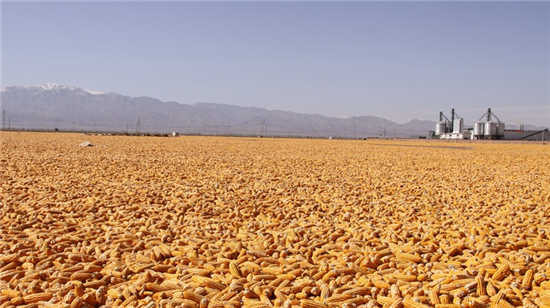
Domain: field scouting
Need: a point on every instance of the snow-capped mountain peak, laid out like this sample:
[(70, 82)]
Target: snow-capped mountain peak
[(50, 86), (53, 87), (94, 92)]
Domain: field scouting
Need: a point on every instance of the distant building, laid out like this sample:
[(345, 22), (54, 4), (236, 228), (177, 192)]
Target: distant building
[(488, 127), (531, 135)]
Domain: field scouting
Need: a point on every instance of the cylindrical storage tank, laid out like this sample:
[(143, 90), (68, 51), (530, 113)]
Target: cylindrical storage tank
[(500, 128), (448, 127), (439, 128), (490, 129), (478, 128), (458, 125)]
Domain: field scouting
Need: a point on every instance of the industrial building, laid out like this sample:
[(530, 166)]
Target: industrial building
[(488, 127), (450, 129), (530, 135)]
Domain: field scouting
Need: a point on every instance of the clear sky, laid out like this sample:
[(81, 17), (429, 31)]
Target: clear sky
[(397, 60)]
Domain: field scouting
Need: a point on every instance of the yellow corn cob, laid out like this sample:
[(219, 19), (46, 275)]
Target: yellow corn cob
[(234, 269), (501, 272), (527, 279), (187, 303), (210, 283), (76, 303), (9, 266), (90, 299), (480, 285), (383, 253), (114, 293), (264, 277), (505, 304), (384, 300), (422, 277), (247, 302), (338, 298), (69, 297), (362, 291), (215, 304), (37, 297), (490, 289), (265, 299), (397, 304), (409, 303), (395, 292), (307, 303), (405, 277), (81, 275), (199, 279), (436, 257), (497, 297), (434, 296), (11, 293), (94, 284), (355, 301), (381, 284), (445, 299), (155, 287), (471, 303), (409, 257), (539, 278), (193, 296)]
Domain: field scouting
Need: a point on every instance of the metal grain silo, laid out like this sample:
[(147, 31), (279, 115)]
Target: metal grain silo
[(440, 128), (490, 129), (478, 128)]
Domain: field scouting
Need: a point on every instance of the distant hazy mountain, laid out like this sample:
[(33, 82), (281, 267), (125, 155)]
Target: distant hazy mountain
[(53, 106)]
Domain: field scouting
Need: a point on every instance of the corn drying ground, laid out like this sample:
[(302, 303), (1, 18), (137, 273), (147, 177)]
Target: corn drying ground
[(202, 222)]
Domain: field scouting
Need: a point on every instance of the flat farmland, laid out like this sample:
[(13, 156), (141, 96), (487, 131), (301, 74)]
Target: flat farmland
[(200, 222)]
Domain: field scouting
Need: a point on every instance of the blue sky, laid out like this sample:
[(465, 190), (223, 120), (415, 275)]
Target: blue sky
[(397, 60)]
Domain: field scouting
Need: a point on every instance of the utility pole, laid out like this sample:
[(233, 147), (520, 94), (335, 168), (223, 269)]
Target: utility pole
[(138, 124), (4, 119), (263, 127), (126, 127)]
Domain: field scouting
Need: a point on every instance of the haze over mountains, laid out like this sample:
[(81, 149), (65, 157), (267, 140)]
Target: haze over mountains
[(51, 106)]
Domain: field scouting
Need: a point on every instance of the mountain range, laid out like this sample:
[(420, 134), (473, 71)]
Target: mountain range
[(51, 106)]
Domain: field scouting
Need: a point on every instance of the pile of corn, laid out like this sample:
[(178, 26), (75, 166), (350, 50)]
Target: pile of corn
[(204, 222)]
